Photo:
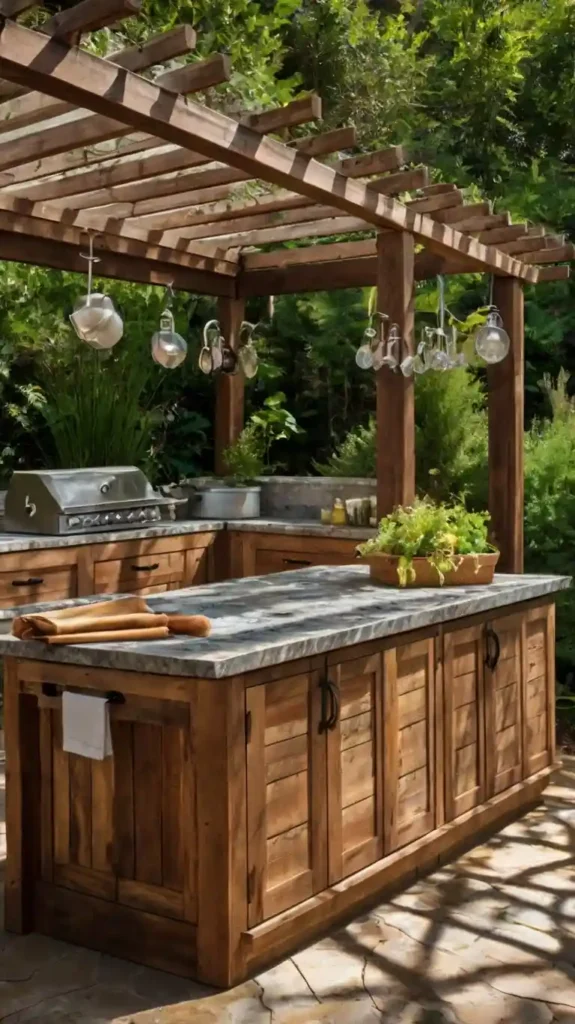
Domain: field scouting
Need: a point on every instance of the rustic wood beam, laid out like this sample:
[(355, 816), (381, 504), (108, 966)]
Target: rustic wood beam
[(326, 275), (34, 106), (12, 8), (439, 188), (526, 243), (474, 225), (506, 387), (120, 171), (229, 413), (157, 184), (121, 236), (88, 16), (431, 204), (61, 255), (378, 162), (89, 130), (561, 273), (90, 82), (558, 255), (395, 415), (402, 181), (498, 235), (204, 74), (232, 229), (459, 213), (336, 224)]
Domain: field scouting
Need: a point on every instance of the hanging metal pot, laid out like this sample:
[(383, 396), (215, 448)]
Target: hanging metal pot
[(247, 355), (95, 319)]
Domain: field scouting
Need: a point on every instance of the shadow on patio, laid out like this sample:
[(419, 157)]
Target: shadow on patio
[(488, 939)]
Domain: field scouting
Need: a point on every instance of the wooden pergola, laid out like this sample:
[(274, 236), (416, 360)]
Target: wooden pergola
[(176, 192)]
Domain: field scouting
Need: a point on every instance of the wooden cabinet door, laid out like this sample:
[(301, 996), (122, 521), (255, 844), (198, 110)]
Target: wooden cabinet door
[(123, 829), (354, 767), (286, 806), (463, 677), (409, 742), (503, 703), (539, 688)]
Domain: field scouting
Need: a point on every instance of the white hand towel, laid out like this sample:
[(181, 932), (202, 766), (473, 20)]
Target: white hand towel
[(86, 725)]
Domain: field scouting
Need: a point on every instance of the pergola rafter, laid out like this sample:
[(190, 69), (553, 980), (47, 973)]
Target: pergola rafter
[(174, 192)]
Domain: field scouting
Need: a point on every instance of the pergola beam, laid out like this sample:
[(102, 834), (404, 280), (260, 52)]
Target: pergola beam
[(68, 73), (558, 255), (88, 16)]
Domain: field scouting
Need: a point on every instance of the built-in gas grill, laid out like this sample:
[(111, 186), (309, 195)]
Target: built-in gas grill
[(67, 501)]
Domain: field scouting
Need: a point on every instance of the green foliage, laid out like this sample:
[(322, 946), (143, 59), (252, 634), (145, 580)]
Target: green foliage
[(441, 533), (249, 456), (244, 460), (550, 504), (451, 439)]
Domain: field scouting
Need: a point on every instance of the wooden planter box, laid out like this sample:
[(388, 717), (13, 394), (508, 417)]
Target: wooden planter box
[(472, 570)]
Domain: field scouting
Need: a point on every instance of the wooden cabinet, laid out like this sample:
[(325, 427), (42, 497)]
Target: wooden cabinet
[(503, 703), (463, 661), (33, 576), (286, 813), (256, 554), (147, 566), (409, 742), (354, 764), (538, 639), (118, 837)]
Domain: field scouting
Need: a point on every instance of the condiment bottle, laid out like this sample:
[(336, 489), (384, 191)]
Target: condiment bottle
[(338, 515)]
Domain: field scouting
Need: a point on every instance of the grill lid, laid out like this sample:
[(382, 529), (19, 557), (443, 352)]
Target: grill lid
[(79, 490)]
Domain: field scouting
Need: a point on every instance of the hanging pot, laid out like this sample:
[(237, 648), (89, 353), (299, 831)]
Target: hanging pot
[(169, 349), (95, 319)]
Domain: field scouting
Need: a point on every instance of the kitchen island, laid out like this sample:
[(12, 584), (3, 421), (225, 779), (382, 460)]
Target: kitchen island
[(332, 738)]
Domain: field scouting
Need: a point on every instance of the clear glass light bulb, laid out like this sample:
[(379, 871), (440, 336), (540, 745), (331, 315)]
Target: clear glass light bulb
[(492, 340), (168, 348)]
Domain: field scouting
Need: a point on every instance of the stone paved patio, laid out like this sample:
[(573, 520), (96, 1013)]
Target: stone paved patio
[(488, 940)]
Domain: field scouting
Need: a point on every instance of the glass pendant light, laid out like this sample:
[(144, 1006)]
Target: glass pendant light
[(169, 349), (94, 318), (247, 355), (492, 341)]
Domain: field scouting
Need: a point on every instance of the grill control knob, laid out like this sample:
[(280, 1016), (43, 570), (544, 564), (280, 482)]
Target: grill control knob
[(142, 513)]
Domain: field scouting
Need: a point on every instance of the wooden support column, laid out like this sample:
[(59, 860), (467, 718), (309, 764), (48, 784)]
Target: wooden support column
[(506, 413), (395, 393), (229, 390)]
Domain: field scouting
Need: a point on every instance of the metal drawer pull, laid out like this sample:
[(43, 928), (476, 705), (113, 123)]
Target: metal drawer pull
[(145, 568), (329, 694), (34, 581), (295, 561), (493, 648)]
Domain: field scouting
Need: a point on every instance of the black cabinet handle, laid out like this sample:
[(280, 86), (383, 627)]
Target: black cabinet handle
[(32, 582), (493, 648), (330, 705), (295, 561), (145, 568)]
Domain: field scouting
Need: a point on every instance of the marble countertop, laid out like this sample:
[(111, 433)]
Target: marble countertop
[(11, 542), (268, 620)]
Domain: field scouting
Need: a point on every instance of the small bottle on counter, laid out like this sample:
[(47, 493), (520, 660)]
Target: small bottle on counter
[(325, 516), (338, 515)]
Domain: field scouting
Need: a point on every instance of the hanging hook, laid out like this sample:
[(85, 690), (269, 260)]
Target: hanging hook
[(491, 285), (441, 289), (91, 260), (169, 296)]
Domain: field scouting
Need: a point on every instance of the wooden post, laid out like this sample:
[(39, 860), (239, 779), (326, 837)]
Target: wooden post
[(229, 389), (395, 399), (506, 411)]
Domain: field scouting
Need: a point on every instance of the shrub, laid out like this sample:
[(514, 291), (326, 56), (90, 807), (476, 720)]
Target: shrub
[(450, 441)]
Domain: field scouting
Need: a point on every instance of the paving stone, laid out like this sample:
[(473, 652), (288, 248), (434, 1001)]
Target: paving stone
[(481, 1004), (547, 983)]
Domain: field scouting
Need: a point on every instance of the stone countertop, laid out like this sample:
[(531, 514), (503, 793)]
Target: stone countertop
[(268, 620), (13, 542)]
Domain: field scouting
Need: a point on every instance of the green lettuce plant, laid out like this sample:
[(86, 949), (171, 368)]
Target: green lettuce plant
[(441, 533)]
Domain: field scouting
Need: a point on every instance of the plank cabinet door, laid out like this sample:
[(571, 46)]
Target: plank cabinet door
[(409, 742), (354, 768), (123, 829), (463, 657), (539, 688), (286, 805), (503, 703)]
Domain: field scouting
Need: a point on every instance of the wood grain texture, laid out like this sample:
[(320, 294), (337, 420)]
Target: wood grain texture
[(464, 724), (46, 794), (148, 803), (506, 412), (395, 416)]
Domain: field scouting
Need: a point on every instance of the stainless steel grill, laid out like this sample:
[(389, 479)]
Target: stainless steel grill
[(67, 501)]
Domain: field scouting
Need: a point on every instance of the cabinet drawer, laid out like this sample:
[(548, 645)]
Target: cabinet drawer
[(283, 561), (29, 585), (139, 572)]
